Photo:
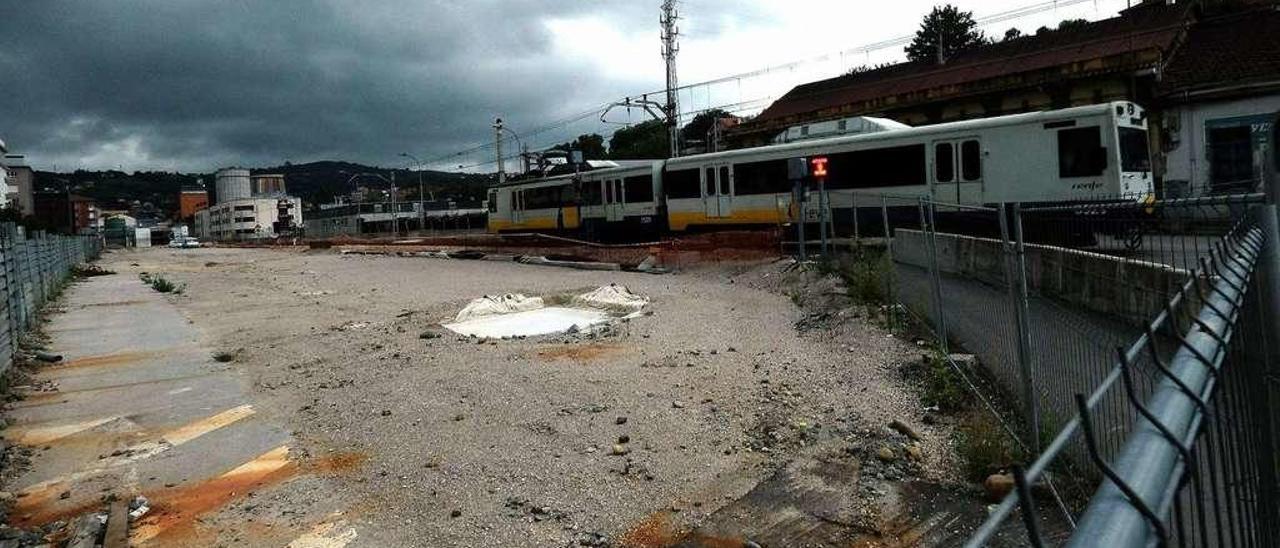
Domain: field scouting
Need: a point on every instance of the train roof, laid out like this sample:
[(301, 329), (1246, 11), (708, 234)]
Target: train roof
[(966, 125), (617, 166)]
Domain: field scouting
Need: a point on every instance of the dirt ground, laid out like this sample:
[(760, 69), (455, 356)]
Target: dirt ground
[(743, 376)]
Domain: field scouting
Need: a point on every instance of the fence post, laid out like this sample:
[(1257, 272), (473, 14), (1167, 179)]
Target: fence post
[(1269, 297), (935, 275), (1015, 288), (1023, 315)]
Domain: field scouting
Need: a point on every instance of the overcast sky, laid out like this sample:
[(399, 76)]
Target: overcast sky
[(192, 85)]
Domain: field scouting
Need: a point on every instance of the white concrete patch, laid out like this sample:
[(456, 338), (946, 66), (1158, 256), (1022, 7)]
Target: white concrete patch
[(543, 321)]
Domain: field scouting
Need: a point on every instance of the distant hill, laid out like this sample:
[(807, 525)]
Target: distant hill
[(316, 183)]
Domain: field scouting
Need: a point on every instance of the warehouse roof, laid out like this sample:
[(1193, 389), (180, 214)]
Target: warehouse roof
[(1150, 27)]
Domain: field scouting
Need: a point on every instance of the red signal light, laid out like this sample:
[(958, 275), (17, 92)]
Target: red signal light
[(819, 167)]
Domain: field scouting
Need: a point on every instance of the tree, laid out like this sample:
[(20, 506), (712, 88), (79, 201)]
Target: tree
[(957, 30), (697, 128), (649, 140), (1012, 34), (1072, 24), (591, 145)]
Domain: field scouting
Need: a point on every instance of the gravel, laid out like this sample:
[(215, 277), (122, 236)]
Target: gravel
[(695, 403)]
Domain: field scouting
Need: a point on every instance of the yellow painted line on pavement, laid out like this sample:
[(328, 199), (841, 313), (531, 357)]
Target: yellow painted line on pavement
[(41, 435), (201, 427)]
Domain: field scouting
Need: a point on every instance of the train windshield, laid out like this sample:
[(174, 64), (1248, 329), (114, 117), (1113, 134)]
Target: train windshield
[(1135, 153)]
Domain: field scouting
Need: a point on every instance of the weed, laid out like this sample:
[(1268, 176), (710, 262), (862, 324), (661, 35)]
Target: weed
[(985, 447), (159, 283), (943, 387)]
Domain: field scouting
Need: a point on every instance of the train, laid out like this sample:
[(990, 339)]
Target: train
[(1095, 152)]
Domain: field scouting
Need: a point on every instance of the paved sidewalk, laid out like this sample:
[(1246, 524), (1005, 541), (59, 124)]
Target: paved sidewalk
[(141, 407)]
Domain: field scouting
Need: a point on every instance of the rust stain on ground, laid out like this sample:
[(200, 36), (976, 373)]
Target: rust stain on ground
[(658, 531), (38, 399), (583, 353), (176, 511), (112, 304), (337, 464), (37, 509), (104, 360)]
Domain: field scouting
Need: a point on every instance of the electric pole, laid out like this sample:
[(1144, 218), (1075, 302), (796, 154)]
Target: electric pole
[(670, 48), (497, 135)]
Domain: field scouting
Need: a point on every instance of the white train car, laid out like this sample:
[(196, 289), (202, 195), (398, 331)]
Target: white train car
[(541, 205), (1083, 153), (1097, 152), (623, 200)]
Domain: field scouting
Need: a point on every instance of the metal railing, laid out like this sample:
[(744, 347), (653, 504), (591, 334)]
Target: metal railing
[(1137, 342), (33, 268)]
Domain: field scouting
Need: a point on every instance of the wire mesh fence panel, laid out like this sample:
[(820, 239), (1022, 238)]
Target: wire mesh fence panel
[(1174, 428)]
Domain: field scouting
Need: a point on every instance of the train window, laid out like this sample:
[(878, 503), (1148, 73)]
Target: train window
[(1135, 154), (493, 202), (884, 167), (639, 189), (591, 194), (1080, 152), (944, 162), (682, 184), (761, 178), (725, 178), (971, 160), (710, 181), (608, 192)]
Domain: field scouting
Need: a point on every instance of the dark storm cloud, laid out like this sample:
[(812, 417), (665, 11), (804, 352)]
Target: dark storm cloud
[(194, 84)]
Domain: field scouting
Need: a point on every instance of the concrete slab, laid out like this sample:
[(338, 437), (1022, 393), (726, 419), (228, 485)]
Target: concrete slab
[(141, 407)]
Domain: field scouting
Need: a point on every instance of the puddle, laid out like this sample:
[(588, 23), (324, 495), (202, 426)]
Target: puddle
[(532, 323), (520, 316)]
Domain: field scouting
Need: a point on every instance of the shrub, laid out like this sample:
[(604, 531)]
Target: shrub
[(985, 447)]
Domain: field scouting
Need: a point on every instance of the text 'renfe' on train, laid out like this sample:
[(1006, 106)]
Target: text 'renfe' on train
[(1077, 154)]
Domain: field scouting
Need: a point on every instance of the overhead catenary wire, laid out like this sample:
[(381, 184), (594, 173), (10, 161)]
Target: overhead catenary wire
[(732, 108), (866, 49)]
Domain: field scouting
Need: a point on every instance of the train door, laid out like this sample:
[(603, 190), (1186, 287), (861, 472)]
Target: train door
[(717, 191), (517, 206), (957, 171), (615, 201), (725, 180)]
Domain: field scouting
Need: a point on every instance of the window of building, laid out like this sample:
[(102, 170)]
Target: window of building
[(1080, 152), (1231, 155), (639, 189), (971, 160), (682, 184), (944, 163), (875, 168)]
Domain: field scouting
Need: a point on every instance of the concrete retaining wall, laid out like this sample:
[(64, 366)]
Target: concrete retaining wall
[(1131, 290)]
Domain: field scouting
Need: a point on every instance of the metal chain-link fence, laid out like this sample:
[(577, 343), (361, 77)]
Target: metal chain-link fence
[(1135, 340)]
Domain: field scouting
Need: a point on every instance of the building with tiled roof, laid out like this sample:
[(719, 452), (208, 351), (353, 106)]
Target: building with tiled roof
[(1148, 54), (1219, 96)]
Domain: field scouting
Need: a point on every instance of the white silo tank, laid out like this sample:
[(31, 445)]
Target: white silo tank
[(233, 184)]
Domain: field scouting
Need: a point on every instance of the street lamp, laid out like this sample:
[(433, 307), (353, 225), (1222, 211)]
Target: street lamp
[(360, 202), (422, 212)]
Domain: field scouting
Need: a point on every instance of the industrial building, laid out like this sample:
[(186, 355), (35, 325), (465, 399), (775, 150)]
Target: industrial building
[(67, 213), (190, 201), (19, 186), (248, 208)]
